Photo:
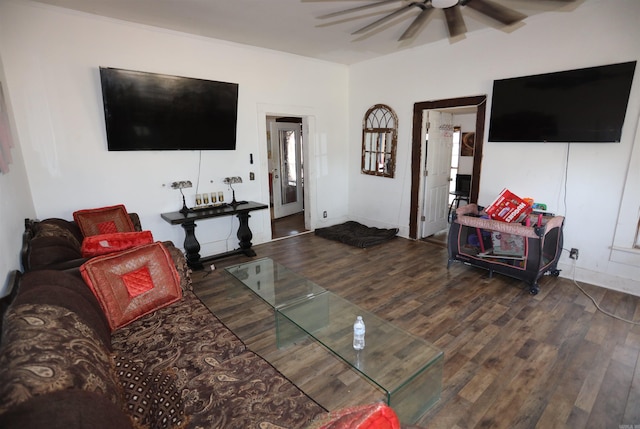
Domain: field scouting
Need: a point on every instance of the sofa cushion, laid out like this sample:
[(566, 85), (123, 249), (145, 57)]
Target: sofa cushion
[(201, 337), (133, 283), (47, 348), (60, 228), (66, 409), (152, 399), (104, 244), (47, 251), (181, 265), (65, 289), (246, 392), (103, 220)]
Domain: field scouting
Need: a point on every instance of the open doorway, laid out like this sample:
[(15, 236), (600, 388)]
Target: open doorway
[(419, 159), (286, 175)]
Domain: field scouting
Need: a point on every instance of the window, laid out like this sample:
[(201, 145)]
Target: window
[(379, 141)]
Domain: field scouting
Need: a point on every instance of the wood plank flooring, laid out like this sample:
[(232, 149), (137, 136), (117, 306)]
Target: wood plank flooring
[(512, 360), (288, 225)]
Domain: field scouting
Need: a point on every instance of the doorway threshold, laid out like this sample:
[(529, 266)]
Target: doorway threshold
[(291, 236)]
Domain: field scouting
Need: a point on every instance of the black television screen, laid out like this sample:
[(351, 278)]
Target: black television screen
[(149, 111), (584, 105)]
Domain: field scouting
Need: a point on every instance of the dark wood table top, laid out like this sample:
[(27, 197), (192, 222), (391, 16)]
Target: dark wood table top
[(177, 218)]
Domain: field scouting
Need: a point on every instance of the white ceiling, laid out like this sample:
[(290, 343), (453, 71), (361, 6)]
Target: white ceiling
[(292, 25)]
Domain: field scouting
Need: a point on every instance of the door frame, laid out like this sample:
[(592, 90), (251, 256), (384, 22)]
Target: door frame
[(309, 137), (480, 102), (296, 126)]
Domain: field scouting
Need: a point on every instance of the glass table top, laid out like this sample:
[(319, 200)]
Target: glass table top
[(407, 368), (391, 356), (275, 284)]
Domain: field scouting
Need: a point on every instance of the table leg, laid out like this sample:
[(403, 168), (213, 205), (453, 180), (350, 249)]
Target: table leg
[(245, 235), (191, 245)]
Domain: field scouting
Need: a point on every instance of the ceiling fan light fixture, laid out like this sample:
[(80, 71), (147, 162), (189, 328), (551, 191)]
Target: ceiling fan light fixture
[(443, 4), (450, 9)]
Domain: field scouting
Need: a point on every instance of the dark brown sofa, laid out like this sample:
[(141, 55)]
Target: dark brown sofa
[(180, 366)]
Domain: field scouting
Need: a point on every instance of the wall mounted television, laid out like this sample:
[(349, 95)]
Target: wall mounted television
[(583, 105), (149, 111)]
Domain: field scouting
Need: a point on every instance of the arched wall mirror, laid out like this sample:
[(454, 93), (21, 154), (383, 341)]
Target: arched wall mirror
[(379, 141)]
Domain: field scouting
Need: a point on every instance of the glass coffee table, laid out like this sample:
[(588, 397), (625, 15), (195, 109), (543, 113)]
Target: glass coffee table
[(273, 283), (406, 368)]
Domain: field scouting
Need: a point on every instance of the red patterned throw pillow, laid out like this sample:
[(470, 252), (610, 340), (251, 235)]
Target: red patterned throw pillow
[(103, 244), (133, 283), (372, 416), (103, 220)]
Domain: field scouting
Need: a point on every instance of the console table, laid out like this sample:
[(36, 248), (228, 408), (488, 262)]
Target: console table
[(188, 222)]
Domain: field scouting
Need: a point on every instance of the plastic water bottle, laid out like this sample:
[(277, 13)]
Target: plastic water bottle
[(358, 334)]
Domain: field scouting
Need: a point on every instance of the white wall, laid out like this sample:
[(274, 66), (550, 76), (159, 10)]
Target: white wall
[(16, 200), (51, 60), (598, 32)]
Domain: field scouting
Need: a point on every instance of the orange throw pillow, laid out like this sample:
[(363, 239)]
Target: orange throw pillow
[(103, 244), (103, 220), (133, 283)]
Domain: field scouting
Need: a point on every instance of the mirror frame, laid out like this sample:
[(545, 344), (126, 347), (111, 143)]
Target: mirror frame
[(379, 128)]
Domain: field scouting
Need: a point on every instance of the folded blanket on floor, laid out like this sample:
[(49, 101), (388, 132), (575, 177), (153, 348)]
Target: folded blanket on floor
[(356, 234)]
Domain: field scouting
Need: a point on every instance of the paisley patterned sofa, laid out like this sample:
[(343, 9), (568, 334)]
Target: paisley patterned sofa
[(63, 366)]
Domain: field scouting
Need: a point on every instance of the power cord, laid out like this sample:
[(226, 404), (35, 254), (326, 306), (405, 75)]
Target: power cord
[(199, 171), (573, 274), (573, 278)]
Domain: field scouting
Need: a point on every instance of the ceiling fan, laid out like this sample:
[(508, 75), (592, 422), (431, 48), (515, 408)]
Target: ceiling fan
[(451, 9)]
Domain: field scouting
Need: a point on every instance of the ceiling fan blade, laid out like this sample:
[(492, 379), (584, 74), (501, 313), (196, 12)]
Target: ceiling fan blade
[(355, 9), (417, 24), (496, 11), (455, 22), (385, 19)]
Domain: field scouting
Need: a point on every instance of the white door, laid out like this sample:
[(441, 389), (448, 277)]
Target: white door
[(437, 173), (286, 147)]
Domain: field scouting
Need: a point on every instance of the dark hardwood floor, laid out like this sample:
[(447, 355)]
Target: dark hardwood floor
[(288, 226), (512, 360)]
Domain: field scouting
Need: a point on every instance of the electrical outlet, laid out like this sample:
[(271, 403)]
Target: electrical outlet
[(324, 214), (573, 253)]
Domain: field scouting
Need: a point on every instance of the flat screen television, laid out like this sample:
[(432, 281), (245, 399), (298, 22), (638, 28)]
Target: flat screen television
[(584, 105), (149, 111)]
